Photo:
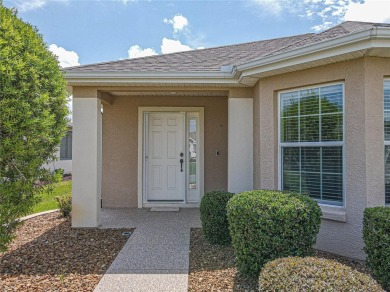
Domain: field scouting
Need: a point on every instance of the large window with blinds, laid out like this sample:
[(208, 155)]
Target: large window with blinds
[(311, 142), (386, 90)]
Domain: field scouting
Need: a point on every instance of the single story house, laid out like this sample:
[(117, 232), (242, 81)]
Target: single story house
[(64, 154), (308, 113)]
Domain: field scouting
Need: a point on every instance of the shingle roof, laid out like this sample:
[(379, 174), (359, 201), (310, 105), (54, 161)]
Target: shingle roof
[(336, 31), (211, 60)]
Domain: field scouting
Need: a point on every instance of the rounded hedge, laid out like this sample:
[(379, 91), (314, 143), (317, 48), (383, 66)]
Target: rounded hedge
[(265, 225), (313, 274), (213, 216), (376, 236)]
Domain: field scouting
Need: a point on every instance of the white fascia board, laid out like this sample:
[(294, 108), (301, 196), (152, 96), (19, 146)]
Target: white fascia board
[(152, 77), (367, 39)]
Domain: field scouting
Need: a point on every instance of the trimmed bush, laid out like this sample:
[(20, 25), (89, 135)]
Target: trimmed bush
[(265, 225), (376, 236), (65, 204), (313, 274), (215, 225), (58, 175)]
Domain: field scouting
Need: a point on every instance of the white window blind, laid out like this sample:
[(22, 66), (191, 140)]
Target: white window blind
[(311, 142)]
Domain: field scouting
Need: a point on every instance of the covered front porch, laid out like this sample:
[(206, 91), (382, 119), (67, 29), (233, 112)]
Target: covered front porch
[(140, 147)]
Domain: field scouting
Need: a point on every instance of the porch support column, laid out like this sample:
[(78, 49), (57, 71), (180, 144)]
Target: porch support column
[(87, 158), (240, 141)]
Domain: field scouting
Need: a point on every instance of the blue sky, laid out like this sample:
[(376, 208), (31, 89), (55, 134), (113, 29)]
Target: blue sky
[(83, 32)]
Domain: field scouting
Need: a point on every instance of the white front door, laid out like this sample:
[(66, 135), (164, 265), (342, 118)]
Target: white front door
[(165, 157)]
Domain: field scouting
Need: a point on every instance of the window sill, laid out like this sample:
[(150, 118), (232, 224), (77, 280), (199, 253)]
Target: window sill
[(333, 213)]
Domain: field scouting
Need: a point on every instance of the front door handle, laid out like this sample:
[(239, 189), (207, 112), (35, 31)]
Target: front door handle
[(181, 164)]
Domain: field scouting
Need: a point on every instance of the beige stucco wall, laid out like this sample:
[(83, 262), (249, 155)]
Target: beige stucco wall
[(120, 144), (364, 146)]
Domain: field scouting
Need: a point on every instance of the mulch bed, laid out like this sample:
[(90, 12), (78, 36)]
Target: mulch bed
[(212, 267), (67, 177), (48, 255)]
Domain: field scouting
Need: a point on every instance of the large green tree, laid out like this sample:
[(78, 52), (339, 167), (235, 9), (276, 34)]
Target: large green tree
[(33, 118)]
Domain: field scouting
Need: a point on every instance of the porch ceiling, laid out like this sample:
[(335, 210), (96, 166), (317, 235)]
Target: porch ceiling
[(206, 93)]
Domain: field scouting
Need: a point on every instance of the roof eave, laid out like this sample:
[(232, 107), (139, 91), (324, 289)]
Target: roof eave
[(89, 77), (246, 74), (362, 40)]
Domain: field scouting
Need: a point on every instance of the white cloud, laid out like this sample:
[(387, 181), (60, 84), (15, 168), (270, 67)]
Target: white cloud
[(269, 6), (173, 46), (136, 51), (333, 12), (70, 107), (167, 46), (179, 22), (66, 58), (327, 13), (370, 11), (323, 26), (25, 5), (126, 1)]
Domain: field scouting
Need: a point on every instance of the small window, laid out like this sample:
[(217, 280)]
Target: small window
[(386, 90), (192, 153), (66, 147), (311, 142)]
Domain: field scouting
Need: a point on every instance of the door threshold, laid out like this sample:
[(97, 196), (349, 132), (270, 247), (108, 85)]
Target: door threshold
[(166, 201), (169, 205), (165, 209)]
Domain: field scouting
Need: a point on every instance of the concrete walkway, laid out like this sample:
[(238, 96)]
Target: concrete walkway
[(156, 257)]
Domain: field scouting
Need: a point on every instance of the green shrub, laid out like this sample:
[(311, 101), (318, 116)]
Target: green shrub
[(265, 225), (65, 204), (213, 216), (313, 274), (58, 175), (33, 118), (376, 236)]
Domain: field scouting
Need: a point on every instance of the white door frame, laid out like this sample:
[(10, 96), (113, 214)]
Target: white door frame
[(141, 149)]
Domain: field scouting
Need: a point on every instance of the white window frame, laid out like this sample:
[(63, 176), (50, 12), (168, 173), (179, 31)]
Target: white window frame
[(193, 193), (312, 144), (386, 143)]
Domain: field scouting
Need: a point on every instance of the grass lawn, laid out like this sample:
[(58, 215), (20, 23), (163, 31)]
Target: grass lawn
[(48, 199)]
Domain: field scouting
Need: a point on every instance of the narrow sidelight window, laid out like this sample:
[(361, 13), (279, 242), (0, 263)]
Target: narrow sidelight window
[(192, 149), (386, 90), (312, 142)]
